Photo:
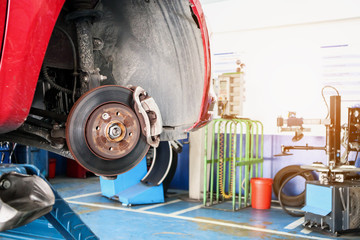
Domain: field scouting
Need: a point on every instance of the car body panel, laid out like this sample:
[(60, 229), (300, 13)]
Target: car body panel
[(29, 25), (3, 7), (28, 28), (208, 97)]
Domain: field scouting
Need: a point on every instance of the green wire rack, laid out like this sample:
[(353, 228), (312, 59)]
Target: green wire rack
[(241, 141)]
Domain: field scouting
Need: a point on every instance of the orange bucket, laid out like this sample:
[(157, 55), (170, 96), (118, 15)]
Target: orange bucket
[(261, 189)]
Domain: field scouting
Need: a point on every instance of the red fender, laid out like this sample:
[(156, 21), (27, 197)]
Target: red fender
[(208, 98), (28, 27), (26, 31)]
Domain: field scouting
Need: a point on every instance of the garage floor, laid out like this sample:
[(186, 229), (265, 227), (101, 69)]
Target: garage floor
[(178, 218)]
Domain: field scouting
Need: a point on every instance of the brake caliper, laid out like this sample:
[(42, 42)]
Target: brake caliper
[(149, 114)]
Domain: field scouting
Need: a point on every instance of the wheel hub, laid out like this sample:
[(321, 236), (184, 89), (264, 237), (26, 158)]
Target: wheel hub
[(116, 130), (112, 131), (103, 132)]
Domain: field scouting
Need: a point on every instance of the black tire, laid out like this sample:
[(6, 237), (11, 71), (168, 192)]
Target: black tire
[(280, 178), (291, 213)]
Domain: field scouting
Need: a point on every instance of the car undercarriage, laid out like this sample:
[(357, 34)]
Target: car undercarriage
[(117, 78)]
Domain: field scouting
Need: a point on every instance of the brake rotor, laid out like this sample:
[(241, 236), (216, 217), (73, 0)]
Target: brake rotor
[(112, 131), (103, 133)]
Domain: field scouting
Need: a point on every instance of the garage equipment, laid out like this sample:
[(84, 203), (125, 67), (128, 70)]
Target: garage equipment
[(236, 157), (5, 152), (32, 156), (144, 183), (26, 196), (23, 198), (353, 131), (332, 202), (128, 189), (333, 207), (231, 93), (338, 180)]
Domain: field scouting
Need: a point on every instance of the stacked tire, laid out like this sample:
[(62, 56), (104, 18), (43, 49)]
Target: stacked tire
[(283, 176)]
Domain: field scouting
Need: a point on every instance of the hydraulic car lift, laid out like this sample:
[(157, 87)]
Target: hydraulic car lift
[(61, 218)]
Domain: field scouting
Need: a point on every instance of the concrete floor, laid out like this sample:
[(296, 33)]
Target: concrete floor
[(178, 218)]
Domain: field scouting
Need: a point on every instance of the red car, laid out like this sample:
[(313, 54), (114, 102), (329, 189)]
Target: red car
[(101, 81)]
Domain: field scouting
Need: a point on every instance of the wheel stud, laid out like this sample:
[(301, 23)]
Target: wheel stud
[(105, 116)]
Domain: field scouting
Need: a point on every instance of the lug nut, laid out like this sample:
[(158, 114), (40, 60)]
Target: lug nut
[(114, 131)]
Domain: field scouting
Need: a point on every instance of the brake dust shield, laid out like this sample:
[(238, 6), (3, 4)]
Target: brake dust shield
[(103, 132)]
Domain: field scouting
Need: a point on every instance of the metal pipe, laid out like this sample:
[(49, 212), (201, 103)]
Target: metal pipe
[(306, 147), (335, 118), (39, 123), (233, 160), (48, 114)]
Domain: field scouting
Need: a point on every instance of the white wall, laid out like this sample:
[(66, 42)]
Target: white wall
[(230, 15), (280, 43)]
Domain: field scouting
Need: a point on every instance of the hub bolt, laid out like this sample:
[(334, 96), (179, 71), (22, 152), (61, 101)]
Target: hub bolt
[(105, 116)]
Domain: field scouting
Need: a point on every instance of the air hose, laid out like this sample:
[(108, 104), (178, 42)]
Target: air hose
[(221, 168), (75, 73), (292, 213)]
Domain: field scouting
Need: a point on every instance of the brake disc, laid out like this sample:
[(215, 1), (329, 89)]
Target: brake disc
[(103, 132)]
